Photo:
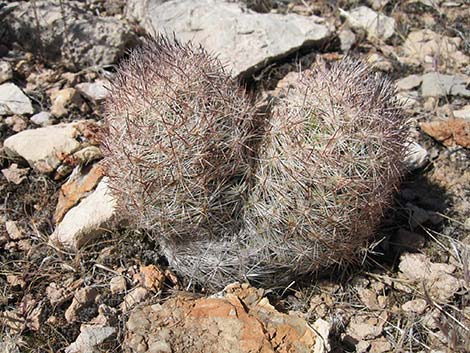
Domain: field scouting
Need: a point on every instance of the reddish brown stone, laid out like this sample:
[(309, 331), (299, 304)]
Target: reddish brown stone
[(75, 189), (449, 132)]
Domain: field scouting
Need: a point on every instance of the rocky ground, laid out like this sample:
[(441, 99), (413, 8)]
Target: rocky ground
[(71, 282)]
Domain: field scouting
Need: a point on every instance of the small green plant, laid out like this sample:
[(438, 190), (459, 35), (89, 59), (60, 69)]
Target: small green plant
[(237, 196)]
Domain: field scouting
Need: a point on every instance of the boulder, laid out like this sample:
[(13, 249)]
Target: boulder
[(376, 25), (68, 33), (245, 40), (241, 320)]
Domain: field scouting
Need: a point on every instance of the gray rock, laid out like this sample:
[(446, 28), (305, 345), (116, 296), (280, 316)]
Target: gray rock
[(436, 277), (13, 100), (463, 113), (95, 91), (347, 39), (87, 220), (69, 33), (440, 85), (42, 119), (42, 148), (90, 337), (409, 82), (374, 23), (6, 73), (245, 40)]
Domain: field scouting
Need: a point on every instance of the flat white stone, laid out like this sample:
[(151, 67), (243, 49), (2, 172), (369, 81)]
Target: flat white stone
[(13, 100)]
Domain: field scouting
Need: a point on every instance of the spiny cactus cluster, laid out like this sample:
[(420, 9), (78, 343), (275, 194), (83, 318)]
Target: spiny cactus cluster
[(236, 195)]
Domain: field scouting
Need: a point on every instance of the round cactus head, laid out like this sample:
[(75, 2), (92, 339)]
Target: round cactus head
[(178, 131)]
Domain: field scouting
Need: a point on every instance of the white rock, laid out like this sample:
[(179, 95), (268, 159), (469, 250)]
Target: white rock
[(87, 220), (415, 306), (69, 32), (43, 148), (95, 91), (243, 39), (416, 156), (134, 297), (6, 73), (440, 85), (409, 82), (463, 113), (347, 39), (13, 100), (436, 277), (424, 46), (375, 24), (42, 119), (89, 338)]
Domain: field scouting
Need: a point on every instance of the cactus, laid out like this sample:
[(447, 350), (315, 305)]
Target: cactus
[(232, 201), (176, 146)]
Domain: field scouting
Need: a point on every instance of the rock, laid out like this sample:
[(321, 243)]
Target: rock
[(64, 99), (361, 327), (409, 82), (81, 182), (60, 293), (95, 92), (223, 324), (13, 100), (347, 39), (86, 221), (151, 278), (16, 281), (14, 233), (117, 284), (87, 155), (135, 296), (42, 119), (362, 346), (424, 46), (84, 39), (81, 299), (374, 23), (377, 4), (369, 298), (450, 132), (379, 62), (44, 148), (380, 345), (440, 85), (6, 73), (247, 41), (463, 113), (416, 306), (14, 174), (436, 277), (16, 123), (416, 156), (90, 337)]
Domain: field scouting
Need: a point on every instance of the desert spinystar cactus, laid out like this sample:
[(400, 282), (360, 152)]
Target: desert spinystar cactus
[(232, 201)]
